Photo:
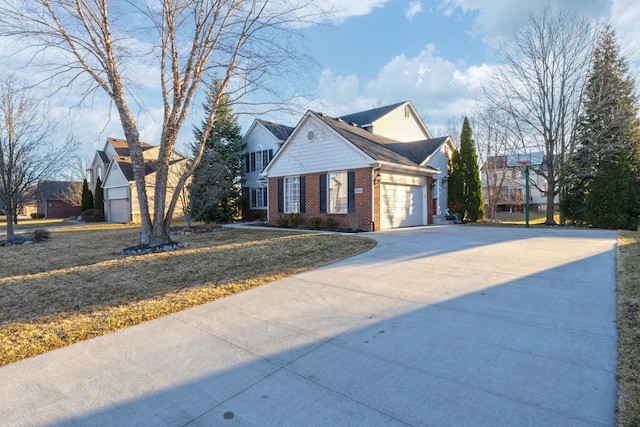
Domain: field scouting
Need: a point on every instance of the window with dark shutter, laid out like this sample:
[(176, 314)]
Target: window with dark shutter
[(280, 195), (323, 193), (351, 194), (253, 162), (246, 162), (265, 158), (303, 191)]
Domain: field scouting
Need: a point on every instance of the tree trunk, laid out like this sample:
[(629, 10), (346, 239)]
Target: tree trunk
[(9, 212)]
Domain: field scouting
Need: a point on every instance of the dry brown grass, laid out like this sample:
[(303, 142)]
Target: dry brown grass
[(74, 287), (628, 272)]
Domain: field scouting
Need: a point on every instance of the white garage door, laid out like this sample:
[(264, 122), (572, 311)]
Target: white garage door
[(401, 206), (119, 210)]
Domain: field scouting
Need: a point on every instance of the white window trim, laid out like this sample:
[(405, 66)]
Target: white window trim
[(253, 191), (346, 189), (291, 196)]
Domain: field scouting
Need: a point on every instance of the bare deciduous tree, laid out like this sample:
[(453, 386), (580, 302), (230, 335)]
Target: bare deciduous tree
[(183, 42), (494, 142), (72, 194), (540, 85), (27, 155)]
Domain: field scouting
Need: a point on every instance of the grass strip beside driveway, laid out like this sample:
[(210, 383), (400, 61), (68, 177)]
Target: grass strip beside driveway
[(628, 319), (73, 287)]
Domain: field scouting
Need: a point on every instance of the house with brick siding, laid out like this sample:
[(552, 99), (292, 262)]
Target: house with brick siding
[(261, 141), (372, 170), (53, 199)]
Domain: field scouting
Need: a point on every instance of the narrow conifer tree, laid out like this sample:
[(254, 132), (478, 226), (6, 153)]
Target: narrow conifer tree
[(473, 203), (98, 201), (87, 197)]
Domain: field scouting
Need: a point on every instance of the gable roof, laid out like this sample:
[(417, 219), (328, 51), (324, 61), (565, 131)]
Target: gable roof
[(122, 147), (281, 132), (54, 190), (366, 118), (126, 167), (383, 149)]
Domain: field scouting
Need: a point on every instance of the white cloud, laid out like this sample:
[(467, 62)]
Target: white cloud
[(439, 89), (340, 10), (496, 21), (413, 9)]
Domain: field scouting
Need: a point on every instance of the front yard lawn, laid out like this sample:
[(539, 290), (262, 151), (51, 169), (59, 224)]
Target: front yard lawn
[(74, 287)]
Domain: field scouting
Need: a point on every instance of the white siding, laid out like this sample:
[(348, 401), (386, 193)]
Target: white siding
[(115, 178), (396, 125), (258, 139), (440, 160), (328, 151), (117, 193)]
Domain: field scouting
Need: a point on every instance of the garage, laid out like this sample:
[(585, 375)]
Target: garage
[(401, 205), (119, 210)]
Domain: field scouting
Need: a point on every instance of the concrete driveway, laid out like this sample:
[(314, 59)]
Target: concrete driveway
[(436, 326)]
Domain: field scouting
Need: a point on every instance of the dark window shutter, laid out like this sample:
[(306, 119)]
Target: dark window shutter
[(323, 193), (280, 195), (246, 162), (303, 191), (270, 154), (351, 194), (253, 162), (253, 197), (265, 158)]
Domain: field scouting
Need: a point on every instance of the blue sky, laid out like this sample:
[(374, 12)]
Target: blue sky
[(436, 53), (438, 56)]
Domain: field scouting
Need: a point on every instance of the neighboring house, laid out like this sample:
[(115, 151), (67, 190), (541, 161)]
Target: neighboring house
[(113, 166), (52, 199), (262, 141), (505, 186), (371, 170)]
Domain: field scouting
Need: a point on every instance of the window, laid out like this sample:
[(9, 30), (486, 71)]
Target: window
[(259, 198), (258, 160), (338, 192), (292, 194)]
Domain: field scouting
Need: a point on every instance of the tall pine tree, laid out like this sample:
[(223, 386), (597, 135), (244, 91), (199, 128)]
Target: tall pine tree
[(604, 185), (216, 187), (87, 197), (465, 188)]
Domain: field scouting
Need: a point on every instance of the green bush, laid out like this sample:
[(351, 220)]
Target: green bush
[(88, 215), (315, 223), (260, 215), (295, 220), (35, 215), (330, 223), (283, 221)]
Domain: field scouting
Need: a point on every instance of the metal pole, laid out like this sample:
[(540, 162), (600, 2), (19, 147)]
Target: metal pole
[(526, 206)]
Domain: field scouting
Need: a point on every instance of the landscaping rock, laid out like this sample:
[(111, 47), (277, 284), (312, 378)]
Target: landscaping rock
[(146, 249)]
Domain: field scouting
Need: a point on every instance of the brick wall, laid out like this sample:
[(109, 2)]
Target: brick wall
[(360, 219)]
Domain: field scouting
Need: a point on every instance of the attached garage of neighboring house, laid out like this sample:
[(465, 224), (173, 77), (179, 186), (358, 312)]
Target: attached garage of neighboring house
[(118, 210)]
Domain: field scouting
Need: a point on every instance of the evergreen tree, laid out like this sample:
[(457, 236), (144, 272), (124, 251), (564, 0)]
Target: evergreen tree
[(98, 201), (216, 186), (604, 176), (87, 197), (472, 201)]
